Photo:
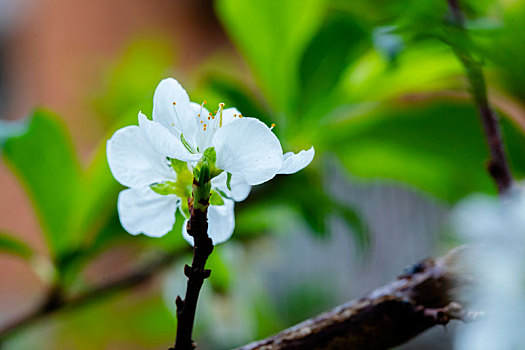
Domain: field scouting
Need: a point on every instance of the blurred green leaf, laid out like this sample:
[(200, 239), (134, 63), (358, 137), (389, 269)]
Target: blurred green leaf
[(132, 83), (221, 273), (301, 196), (11, 128), (272, 35), (133, 79), (238, 95), (46, 163), (435, 146), (337, 43), (317, 206), (14, 246)]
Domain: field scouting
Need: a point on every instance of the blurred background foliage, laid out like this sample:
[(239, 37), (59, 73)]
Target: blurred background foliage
[(373, 85)]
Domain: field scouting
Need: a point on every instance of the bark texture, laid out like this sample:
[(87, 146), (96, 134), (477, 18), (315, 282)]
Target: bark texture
[(388, 316)]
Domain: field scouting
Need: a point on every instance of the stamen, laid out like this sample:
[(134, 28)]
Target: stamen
[(176, 114), (202, 106), (272, 126), (221, 107)]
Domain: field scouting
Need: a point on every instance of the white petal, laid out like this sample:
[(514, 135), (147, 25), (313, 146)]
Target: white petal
[(221, 222), (141, 210), (132, 160), (229, 115), (163, 141), (292, 163), (177, 118), (248, 148), (239, 188)]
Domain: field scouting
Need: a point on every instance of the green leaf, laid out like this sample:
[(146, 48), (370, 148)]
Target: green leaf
[(45, 161), (14, 246), (272, 35)]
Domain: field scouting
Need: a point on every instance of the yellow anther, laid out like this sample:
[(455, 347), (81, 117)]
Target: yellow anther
[(198, 115), (240, 115), (273, 125), (172, 124), (204, 102), (174, 103), (209, 118), (221, 104)]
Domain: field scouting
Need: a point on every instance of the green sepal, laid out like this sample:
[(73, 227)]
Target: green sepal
[(222, 194), (215, 198), (184, 209), (211, 157), (165, 188), (204, 173), (228, 181), (178, 165)]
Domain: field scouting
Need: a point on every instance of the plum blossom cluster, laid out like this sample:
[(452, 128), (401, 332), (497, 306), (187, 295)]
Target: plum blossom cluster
[(157, 159)]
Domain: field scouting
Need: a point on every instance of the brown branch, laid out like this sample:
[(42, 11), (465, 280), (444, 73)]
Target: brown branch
[(56, 301), (386, 317), (203, 246), (498, 166)]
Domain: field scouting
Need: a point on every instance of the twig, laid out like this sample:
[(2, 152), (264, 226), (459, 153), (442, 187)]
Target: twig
[(498, 166), (135, 278), (387, 317), (203, 246)]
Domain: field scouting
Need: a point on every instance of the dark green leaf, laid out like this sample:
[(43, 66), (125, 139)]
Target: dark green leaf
[(340, 40)]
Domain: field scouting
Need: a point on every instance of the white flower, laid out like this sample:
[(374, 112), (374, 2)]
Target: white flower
[(496, 262), (149, 160)]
